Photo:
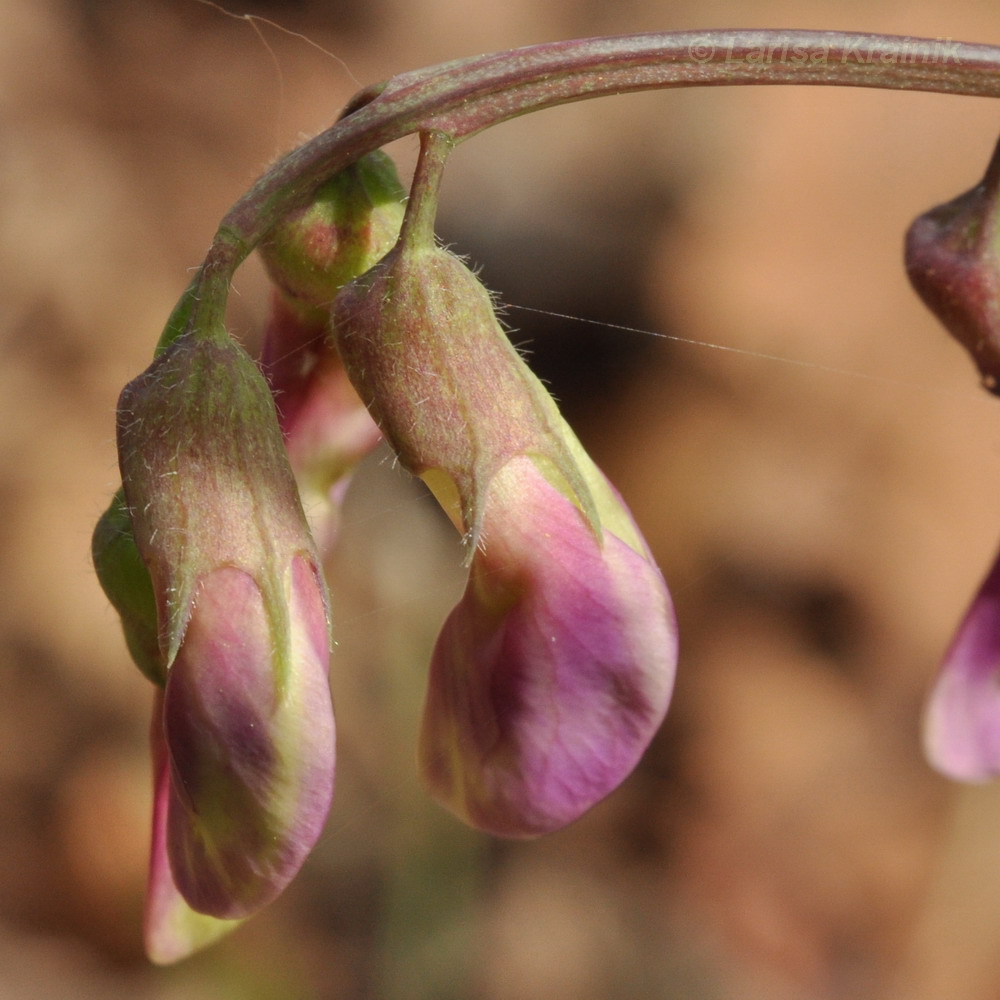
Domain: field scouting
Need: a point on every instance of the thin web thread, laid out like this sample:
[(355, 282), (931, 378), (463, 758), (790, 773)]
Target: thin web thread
[(254, 20), (762, 355)]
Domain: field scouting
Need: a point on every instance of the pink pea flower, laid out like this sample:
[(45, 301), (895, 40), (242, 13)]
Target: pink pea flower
[(326, 427), (554, 671)]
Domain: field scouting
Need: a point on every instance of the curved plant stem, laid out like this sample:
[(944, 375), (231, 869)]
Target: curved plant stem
[(421, 210), (467, 96)]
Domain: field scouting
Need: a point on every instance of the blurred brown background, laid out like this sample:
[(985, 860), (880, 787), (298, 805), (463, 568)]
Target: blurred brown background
[(822, 518)]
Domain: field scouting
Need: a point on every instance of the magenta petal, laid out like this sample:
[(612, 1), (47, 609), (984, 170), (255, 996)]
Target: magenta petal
[(553, 672), (249, 727), (962, 725)]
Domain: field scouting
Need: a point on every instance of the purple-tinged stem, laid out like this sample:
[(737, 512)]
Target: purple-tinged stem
[(467, 96)]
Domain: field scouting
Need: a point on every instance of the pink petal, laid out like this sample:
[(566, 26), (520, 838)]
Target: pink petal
[(249, 728), (172, 930), (962, 725), (553, 672)]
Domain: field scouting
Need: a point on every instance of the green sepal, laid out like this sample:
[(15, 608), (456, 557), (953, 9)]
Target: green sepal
[(421, 342), (206, 477), (126, 582)]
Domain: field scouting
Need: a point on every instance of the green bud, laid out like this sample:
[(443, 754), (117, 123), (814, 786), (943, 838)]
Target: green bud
[(352, 221)]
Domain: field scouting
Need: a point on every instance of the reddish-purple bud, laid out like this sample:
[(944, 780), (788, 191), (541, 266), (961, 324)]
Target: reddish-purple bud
[(326, 427), (953, 260)]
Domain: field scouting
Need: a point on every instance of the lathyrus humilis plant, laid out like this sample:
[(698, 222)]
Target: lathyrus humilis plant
[(555, 668)]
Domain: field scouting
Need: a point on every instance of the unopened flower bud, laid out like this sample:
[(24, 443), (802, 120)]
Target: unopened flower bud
[(953, 260), (352, 221)]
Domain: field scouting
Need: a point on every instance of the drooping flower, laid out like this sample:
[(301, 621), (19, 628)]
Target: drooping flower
[(206, 555), (554, 671), (243, 638)]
